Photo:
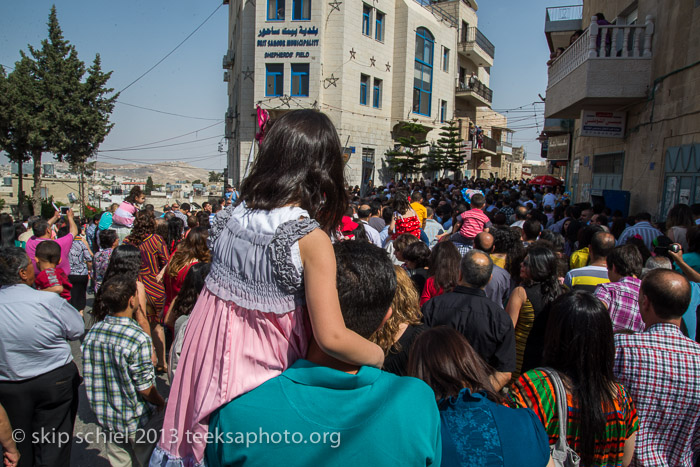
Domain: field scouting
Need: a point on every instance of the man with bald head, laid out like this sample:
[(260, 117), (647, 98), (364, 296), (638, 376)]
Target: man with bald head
[(499, 287), (483, 322), (363, 213), (660, 369), (589, 277)]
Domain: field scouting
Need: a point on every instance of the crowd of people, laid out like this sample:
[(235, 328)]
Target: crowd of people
[(425, 322)]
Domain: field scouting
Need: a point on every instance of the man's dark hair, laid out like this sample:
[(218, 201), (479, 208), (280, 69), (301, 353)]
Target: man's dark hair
[(31, 220), (602, 244), (114, 294), (627, 260), (521, 213), (669, 300), (107, 238), (387, 213), (366, 285), (531, 229), (416, 196), (40, 227), (205, 204), (149, 207), (364, 213), (49, 251), (12, 260), (185, 207), (643, 216), (474, 273), (477, 201), (376, 206)]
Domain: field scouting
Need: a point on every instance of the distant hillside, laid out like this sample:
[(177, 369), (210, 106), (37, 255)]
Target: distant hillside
[(161, 173)]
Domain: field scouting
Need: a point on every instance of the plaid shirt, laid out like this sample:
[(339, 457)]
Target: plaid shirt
[(622, 300), (660, 368), (116, 365)]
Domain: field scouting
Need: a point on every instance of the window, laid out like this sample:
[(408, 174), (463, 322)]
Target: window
[(364, 84), (301, 9), (423, 72), (445, 59), (379, 26), (275, 10), (443, 111), (274, 77), (366, 15), (377, 94), (300, 79)]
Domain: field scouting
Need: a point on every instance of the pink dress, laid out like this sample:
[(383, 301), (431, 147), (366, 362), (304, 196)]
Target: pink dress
[(249, 324)]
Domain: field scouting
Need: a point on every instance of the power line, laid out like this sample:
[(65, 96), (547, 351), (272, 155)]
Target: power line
[(166, 113), (171, 52), (161, 146), (166, 139)]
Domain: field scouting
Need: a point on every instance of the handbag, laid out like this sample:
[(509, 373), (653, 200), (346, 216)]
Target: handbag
[(562, 454)]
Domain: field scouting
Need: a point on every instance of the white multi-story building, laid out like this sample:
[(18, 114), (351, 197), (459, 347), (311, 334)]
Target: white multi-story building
[(370, 66)]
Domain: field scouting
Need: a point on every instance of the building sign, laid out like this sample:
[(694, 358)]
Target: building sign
[(304, 35), (558, 149), (527, 171), (467, 150), (603, 124)]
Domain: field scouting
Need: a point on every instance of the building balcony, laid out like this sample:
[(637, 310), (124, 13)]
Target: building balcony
[(488, 146), (606, 69), (560, 23), (476, 47), (474, 91), (504, 149)]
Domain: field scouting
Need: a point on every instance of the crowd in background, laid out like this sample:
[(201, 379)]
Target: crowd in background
[(537, 327)]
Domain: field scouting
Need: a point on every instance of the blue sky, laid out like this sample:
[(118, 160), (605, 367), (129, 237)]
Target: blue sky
[(131, 36)]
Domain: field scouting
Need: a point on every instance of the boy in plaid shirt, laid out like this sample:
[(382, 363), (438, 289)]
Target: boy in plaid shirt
[(119, 376)]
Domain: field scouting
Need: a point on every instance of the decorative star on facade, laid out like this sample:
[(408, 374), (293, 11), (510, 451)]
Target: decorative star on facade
[(335, 6), (330, 81), (388, 67), (285, 100), (352, 53), (372, 61), (248, 74)]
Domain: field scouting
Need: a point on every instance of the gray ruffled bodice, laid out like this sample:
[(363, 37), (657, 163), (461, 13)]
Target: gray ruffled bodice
[(256, 270)]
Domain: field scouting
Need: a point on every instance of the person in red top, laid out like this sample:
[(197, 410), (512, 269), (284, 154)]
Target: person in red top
[(51, 278), (473, 222), (443, 271)]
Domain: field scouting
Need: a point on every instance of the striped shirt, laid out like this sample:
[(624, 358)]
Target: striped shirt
[(116, 365), (473, 223), (644, 229), (124, 215), (622, 300), (661, 370), (586, 278), (534, 390)]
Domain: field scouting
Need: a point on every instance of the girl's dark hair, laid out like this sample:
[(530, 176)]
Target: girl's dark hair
[(162, 227), (144, 225), (443, 265), (542, 264), (191, 287), (418, 253), (124, 263), (579, 344), (399, 202), (618, 226), (107, 238), (680, 215), (641, 246), (300, 162), (133, 194), (443, 358), (7, 235), (175, 228)]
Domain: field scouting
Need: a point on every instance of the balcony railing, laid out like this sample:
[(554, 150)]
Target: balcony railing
[(564, 13), (476, 86), (472, 34), (438, 12), (487, 143), (609, 42)]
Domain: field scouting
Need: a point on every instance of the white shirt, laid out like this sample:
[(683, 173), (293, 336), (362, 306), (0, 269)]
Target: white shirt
[(372, 234), (550, 199)]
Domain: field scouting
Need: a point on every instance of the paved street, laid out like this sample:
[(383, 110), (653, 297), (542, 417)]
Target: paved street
[(88, 450)]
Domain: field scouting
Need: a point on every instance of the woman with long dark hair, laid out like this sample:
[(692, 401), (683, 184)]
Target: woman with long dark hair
[(678, 221), (154, 257), (7, 235), (443, 271), (476, 428), (181, 308), (529, 301), (601, 418), (193, 249)]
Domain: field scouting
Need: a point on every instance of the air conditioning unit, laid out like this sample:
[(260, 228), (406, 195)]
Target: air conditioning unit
[(227, 75), (227, 61)]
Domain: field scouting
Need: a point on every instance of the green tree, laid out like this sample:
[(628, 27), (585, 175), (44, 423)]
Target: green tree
[(215, 176), (450, 144), (56, 110), (149, 186), (196, 181), (407, 158)]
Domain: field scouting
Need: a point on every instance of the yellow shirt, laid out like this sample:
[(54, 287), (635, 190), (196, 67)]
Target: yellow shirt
[(421, 212), (579, 258)]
